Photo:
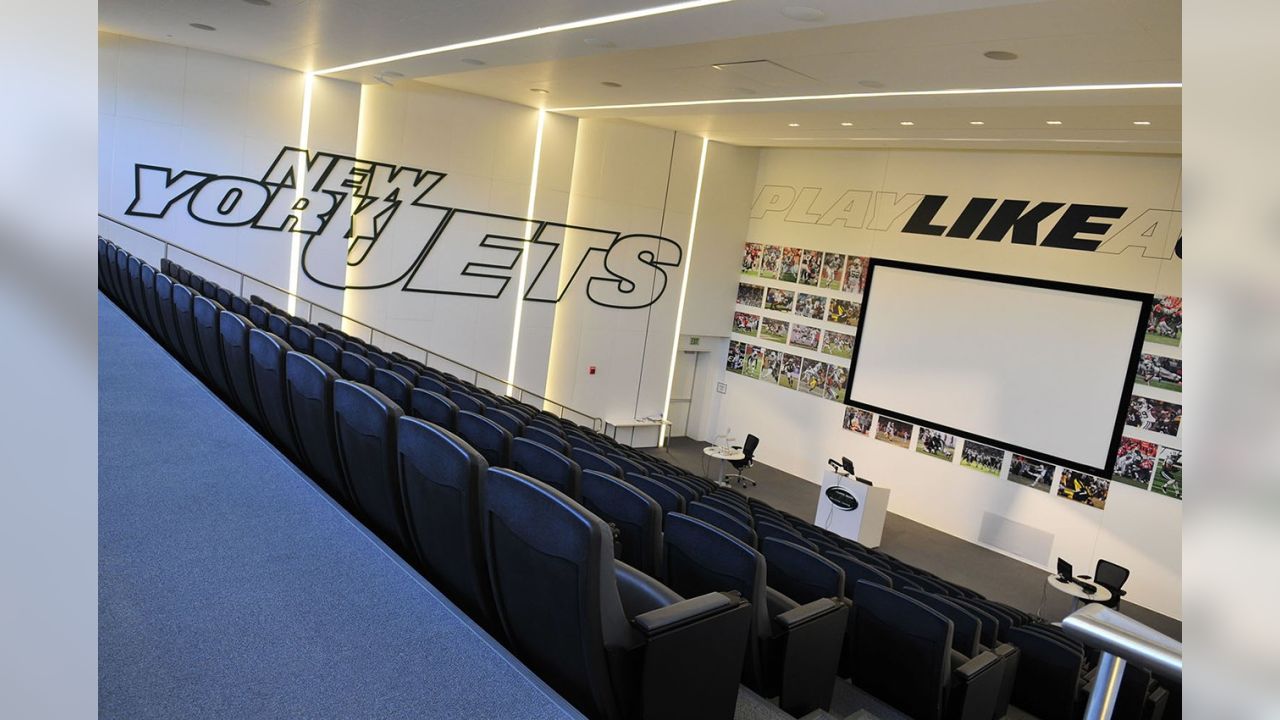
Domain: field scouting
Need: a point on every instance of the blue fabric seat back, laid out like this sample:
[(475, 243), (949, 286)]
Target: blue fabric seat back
[(134, 275), (365, 424), (513, 424), (1047, 683), (266, 360), (258, 315), (542, 463), (855, 570), (699, 558), (379, 360), (405, 371), (637, 517), (799, 573), (442, 480), (223, 296), (184, 318), (965, 626), (488, 438), (168, 325), (277, 325), (434, 408), (394, 387), (355, 368), (669, 500), (901, 650), (238, 305), (588, 460), (206, 313), (768, 529), (355, 346), (148, 275), (681, 488), (466, 401), (234, 333), (627, 464), (309, 390), (551, 440), (722, 520), (300, 338), (430, 383), (327, 352)]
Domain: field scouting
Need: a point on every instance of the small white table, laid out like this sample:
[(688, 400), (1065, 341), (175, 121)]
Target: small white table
[(723, 454), (1077, 593), (643, 432)]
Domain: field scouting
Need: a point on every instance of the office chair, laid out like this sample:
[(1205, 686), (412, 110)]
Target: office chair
[(1112, 577), (748, 449)]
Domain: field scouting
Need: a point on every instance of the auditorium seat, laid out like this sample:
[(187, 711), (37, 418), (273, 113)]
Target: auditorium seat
[(238, 305), (365, 426), (309, 391), (488, 438), (148, 280), (168, 326), (542, 463), (466, 401), (613, 642), (355, 347), (594, 461), (669, 500), (433, 407), (183, 300), (393, 386), (432, 384), (903, 656), (300, 338), (1049, 677), (627, 464), (541, 436), (636, 517), (205, 313), (406, 371), (233, 332), (258, 316), (442, 482), (507, 420), (277, 325), (792, 653), (718, 518), (223, 297), (678, 486), (327, 352), (266, 358), (379, 360), (356, 368)]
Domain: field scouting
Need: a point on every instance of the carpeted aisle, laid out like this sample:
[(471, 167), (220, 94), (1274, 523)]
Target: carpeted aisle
[(231, 587)]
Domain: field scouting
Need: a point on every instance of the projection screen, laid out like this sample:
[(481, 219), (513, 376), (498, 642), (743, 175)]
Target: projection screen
[(1037, 367)]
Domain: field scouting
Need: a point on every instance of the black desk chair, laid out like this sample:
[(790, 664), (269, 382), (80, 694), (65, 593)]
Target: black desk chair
[(748, 449), (1112, 577)]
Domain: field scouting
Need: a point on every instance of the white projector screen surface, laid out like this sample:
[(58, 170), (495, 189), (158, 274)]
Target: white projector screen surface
[(1037, 369)]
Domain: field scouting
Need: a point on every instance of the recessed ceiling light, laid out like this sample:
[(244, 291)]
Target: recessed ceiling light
[(1141, 122), (876, 84), (1000, 55), (541, 91), (610, 83), (202, 26), (793, 124), (976, 122), (599, 42), (1052, 122), (259, 3), (906, 122), (473, 61), (846, 124), (803, 14)]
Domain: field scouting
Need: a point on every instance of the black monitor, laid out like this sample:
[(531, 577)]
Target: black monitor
[(1064, 569)]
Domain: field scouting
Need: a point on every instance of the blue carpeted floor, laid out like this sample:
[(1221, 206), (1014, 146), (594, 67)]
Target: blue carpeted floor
[(231, 587)]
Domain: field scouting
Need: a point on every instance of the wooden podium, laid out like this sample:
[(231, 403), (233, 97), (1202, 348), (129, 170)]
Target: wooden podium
[(852, 509)]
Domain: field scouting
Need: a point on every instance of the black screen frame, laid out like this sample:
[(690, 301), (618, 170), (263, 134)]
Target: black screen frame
[(1145, 299)]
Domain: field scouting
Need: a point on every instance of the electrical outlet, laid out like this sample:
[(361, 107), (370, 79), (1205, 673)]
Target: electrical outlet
[(721, 388)]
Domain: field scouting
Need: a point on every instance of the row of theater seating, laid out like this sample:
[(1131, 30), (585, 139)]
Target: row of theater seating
[(490, 497)]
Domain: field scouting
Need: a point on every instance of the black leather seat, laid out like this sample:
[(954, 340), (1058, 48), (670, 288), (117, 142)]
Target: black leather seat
[(543, 463), (669, 500), (266, 361), (615, 643), (594, 461), (393, 386), (636, 517), (327, 352), (434, 408), (206, 313), (233, 331), (441, 480), (355, 368), (365, 424), (488, 438), (309, 389), (786, 656), (903, 656)]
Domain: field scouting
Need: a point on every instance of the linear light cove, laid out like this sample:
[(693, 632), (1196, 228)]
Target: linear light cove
[(533, 32), (885, 94)]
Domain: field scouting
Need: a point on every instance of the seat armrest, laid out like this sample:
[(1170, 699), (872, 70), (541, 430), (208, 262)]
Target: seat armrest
[(976, 686), (684, 612), (980, 663), (641, 593), (804, 613), (777, 603)]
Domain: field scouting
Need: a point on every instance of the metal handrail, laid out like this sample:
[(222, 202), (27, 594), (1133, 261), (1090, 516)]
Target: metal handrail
[(1121, 640), (515, 391)]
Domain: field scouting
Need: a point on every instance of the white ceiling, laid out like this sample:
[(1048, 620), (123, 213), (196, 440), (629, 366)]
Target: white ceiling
[(902, 45)]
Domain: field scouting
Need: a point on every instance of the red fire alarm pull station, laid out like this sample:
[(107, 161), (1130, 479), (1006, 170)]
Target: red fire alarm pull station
[(591, 370)]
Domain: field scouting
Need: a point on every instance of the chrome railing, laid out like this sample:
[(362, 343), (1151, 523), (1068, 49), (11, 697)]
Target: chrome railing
[(1121, 640), (227, 276)]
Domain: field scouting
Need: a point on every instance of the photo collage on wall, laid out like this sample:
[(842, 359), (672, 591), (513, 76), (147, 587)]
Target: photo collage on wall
[(804, 318)]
